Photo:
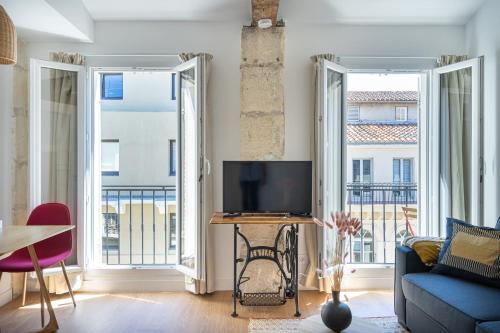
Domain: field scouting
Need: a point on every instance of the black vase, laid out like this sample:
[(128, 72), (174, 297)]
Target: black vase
[(335, 314)]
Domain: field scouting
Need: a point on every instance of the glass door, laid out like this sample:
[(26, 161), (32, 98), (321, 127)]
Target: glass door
[(189, 166), (457, 153), (332, 85), (56, 141)]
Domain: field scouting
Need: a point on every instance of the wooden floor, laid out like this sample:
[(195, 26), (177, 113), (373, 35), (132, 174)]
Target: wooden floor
[(170, 312)]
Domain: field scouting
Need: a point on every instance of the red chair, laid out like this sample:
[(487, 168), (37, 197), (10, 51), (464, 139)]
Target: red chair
[(50, 252)]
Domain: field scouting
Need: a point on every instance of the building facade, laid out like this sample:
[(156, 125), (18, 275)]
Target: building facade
[(138, 167), (382, 159)]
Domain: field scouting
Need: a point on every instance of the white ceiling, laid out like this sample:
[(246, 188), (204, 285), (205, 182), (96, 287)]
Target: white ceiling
[(322, 11)]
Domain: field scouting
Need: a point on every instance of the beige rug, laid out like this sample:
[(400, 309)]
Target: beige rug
[(388, 324)]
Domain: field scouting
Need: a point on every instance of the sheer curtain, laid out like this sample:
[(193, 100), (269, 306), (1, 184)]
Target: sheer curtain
[(207, 283), (63, 169), (456, 137)]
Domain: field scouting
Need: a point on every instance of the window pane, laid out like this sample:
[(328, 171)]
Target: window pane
[(110, 157), (172, 231), (189, 171), (173, 87), (367, 171), (456, 141), (407, 171), (353, 113), (396, 175), (59, 137), (355, 171), (112, 86), (401, 113), (173, 157)]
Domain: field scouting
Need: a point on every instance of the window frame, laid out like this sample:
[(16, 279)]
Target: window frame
[(173, 83), (361, 165), (172, 236), (35, 149), (436, 191), (172, 157), (358, 108), (103, 87), (363, 239), (401, 169), (396, 113), (113, 172)]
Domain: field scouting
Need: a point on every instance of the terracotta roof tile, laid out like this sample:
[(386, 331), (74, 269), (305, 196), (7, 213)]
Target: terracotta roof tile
[(382, 96), (376, 133)]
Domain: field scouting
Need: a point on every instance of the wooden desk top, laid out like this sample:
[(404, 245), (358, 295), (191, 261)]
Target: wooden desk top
[(218, 218), (15, 237)]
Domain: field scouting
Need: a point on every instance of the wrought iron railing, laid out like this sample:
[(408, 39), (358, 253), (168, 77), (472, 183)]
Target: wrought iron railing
[(385, 225), (138, 225)]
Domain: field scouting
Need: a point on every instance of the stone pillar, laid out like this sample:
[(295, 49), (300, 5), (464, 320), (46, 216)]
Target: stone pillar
[(262, 129)]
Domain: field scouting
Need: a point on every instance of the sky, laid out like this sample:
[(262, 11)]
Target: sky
[(380, 82)]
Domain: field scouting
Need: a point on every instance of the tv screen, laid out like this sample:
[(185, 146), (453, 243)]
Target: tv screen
[(267, 187)]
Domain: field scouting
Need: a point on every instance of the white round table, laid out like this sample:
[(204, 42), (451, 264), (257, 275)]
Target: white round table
[(314, 324)]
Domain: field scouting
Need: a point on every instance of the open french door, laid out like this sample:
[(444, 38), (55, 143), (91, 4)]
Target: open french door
[(190, 167), (56, 161), (456, 150), (332, 86)]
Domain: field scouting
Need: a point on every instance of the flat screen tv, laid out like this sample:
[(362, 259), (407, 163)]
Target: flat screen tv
[(267, 187)]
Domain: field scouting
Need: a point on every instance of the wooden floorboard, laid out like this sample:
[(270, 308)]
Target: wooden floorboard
[(170, 312)]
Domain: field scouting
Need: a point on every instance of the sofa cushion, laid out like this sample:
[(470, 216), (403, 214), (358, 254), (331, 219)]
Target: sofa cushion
[(455, 303), (488, 327), (471, 253)]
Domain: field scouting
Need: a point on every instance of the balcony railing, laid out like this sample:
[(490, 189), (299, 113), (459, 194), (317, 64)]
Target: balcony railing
[(138, 225), (380, 207)]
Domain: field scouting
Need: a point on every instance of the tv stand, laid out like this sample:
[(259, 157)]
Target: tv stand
[(232, 215), (299, 214), (286, 260)]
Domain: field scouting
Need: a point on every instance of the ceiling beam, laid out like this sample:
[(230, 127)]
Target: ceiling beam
[(265, 9)]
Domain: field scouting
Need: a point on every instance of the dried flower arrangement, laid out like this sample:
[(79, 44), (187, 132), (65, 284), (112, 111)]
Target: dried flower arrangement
[(344, 226)]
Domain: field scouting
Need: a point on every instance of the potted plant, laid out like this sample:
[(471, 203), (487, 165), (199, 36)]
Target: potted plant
[(335, 314)]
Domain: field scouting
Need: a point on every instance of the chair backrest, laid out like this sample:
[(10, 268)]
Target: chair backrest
[(410, 212), (52, 214)]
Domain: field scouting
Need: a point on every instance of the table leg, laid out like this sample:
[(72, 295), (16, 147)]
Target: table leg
[(52, 326), (297, 313), (235, 262)]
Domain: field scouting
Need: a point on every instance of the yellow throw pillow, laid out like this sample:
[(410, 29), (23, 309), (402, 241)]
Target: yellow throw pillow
[(428, 250)]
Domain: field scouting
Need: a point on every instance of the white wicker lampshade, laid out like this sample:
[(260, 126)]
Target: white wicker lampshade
[(8, 39)]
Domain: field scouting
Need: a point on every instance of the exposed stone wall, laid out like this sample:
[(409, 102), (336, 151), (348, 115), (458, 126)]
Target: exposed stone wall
[(262, 129)]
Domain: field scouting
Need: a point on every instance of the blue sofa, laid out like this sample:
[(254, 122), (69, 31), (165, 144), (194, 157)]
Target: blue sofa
[(433, 303)]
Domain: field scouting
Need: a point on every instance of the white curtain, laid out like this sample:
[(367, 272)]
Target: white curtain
[(207, 283), (312, 233), (456, 108), (63, 168)]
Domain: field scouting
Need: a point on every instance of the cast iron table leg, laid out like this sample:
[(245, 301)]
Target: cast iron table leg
[(297, 313), (235, 235)]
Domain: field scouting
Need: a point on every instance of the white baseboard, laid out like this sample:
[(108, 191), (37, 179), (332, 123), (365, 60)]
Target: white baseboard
[(133, 280), (131, 286)]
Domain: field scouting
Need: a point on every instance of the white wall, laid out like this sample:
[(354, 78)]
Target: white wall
[(144, 146), (144, 91), (6, 105), (384, 111), (382, 157), (223, 41), (483, 39)]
